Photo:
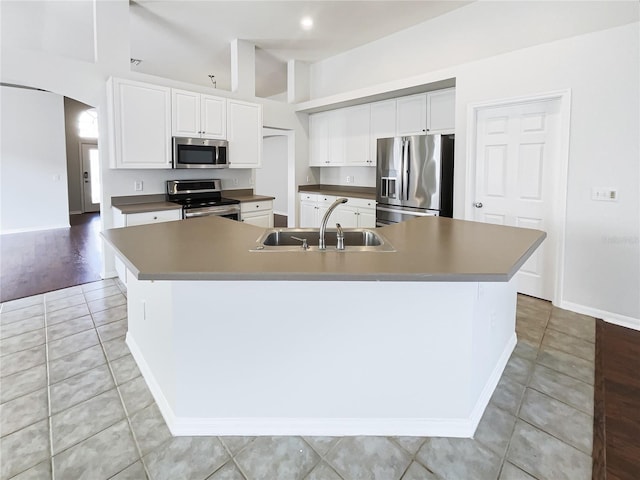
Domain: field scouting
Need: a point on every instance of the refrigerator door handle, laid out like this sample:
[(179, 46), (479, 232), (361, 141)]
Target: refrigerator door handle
[(406, 167), (402, 167), (384, 187)]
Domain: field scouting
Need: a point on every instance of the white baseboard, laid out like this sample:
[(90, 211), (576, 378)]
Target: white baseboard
[(421, 427), (75, 212), (280, 213), (330, 427), (492, 383), (109, 274), (609, 317), (154, 387), (33, 229)]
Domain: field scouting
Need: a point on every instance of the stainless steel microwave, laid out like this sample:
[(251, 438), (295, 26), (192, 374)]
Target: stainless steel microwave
[(200, 153)]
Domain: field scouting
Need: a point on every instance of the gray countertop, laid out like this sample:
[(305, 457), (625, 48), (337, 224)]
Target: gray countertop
[(147, 207), (426, 249), (368, 193), (155, 203)]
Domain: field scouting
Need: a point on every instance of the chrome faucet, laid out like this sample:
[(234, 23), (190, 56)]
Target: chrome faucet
[(323, 226), (339, 237)]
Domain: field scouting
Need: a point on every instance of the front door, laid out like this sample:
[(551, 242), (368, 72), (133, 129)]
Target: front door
[(90, 178), (517, 159)]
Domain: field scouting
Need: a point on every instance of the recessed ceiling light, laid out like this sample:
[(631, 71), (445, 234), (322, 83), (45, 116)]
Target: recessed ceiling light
[(306, 23)]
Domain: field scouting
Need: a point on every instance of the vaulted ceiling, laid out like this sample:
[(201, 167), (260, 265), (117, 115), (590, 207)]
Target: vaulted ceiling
[(190, 40)]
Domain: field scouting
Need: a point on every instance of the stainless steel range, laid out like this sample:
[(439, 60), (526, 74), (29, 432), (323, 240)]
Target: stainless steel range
[(200, 198)]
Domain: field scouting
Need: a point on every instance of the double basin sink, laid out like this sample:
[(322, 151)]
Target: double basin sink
[(295, 240)]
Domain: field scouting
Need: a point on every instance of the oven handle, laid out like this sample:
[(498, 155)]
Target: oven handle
[(226, 211)]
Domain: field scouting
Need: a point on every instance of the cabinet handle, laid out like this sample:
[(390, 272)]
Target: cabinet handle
[(257, 206), (155, 218)]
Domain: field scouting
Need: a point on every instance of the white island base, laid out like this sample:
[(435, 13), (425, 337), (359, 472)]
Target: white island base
[(322, 357)]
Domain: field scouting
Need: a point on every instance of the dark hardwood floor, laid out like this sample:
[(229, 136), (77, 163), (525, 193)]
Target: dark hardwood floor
[(38, 262), (616, 434), (279, 220)]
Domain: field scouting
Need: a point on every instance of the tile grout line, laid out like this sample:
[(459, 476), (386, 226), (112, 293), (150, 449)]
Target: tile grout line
[(233, 457), (124, 408), (50, 418)]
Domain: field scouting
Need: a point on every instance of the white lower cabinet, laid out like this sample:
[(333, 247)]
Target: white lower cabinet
[(132, 219), (356, 213), (313, 207), (259, 213)]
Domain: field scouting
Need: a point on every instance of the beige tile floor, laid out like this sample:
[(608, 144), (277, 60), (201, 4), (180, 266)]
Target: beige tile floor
[(74, 406)]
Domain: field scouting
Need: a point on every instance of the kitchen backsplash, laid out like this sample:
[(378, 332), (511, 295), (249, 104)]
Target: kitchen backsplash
[(353, 176)]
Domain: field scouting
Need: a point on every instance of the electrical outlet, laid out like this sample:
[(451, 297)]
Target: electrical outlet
[(604, 194), (235, 181), (307, 178), (349, 179), (137, 185)]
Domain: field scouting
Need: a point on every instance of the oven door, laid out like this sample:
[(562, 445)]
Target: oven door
[(227, 211), (388, 214)]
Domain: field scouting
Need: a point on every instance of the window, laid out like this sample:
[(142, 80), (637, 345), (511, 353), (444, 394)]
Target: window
[(88, 123)]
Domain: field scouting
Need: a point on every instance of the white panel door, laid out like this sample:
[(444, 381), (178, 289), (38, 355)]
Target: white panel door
[(516, 163)]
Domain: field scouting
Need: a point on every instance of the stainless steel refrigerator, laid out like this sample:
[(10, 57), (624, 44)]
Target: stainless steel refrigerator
[(414, 177)]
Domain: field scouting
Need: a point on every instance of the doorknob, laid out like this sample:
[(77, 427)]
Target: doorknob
[(478, 204)]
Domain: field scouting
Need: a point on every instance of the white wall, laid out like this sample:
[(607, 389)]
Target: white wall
[(602, 258), (360, 176), (33, 164), (271, 179), (86, 82), (476, 31)]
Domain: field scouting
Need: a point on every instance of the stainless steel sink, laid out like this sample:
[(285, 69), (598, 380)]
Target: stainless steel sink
[(292, 240)]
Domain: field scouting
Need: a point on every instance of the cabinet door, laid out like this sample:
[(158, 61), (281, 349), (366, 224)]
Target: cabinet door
[(357, 135), (309, 215), (383, 124), (185, 113), (145, 218), (259, 219), (411, 115), (346, 216), (441, 111), (244, 131), (318, 139), (142, 125), (214, 116), (366, 218), (337, 137)]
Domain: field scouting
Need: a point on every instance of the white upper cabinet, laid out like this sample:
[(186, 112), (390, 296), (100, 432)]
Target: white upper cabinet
[(441, 111), (357, 139), (348, 136), (340, 137), (383, 124), (198, 115), (411, 115), (140, 116), (319, 139), (244, 133), (214, 117)]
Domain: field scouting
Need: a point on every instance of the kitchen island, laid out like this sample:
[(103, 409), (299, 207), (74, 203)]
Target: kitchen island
[(404, 342)]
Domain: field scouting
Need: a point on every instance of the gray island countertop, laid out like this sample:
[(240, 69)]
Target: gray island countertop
[(426, 249)]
